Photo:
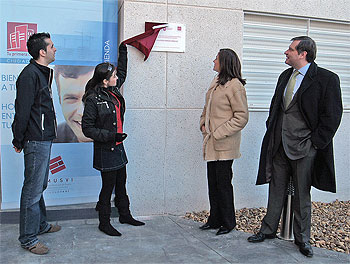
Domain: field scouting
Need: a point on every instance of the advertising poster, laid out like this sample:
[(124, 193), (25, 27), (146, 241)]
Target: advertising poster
[(85, 34)]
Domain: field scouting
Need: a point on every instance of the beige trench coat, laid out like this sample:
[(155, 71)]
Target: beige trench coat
[(224, 115)]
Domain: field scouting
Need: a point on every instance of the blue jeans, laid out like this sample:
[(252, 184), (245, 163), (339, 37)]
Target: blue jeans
[(32, 208)]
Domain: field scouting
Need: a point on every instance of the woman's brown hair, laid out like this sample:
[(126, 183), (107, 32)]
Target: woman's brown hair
[(230, 67)]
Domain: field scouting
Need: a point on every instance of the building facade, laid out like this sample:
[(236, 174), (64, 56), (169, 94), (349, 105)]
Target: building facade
[(165, 94)]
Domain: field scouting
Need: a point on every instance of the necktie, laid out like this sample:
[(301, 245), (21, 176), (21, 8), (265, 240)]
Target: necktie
[(290, 88)]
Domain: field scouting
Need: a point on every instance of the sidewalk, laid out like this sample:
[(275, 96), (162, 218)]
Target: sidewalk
[(164, 239)]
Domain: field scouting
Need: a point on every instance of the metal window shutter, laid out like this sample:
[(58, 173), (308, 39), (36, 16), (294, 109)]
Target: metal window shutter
[(266, 37), (333, 52)]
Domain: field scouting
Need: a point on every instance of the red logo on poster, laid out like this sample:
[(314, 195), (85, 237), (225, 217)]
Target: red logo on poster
[(56, 165), (179, 28), (18, 34)]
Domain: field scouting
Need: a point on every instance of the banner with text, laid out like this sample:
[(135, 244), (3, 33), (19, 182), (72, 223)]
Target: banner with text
[(85, 34)]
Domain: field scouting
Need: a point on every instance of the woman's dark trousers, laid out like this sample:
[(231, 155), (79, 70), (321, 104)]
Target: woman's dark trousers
[(222, 211), (110, 180), (115, 180)]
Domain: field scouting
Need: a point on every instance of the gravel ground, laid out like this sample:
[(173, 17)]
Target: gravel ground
[(330, 223)]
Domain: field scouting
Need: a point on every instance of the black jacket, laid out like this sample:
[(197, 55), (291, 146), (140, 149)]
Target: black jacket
[(35, 117), (320, 103), (99, 120)]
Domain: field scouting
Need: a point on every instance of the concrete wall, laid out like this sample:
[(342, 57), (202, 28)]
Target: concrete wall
[(165, 96)]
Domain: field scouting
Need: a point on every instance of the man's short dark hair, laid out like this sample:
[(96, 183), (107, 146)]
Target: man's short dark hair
[(306, 44), (36, 42)]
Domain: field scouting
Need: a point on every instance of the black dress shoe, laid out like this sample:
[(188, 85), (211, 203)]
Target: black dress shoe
[(207, 226), (305, 249), (259, 237), (223, 230)]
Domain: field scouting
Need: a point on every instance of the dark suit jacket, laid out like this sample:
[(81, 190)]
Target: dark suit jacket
[(319, 100)]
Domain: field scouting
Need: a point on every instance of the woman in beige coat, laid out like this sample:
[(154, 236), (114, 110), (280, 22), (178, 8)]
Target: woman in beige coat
[(224, 115)]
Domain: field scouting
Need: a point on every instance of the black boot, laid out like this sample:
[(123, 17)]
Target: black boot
[(125, 216), (128, 219), (104, 215)]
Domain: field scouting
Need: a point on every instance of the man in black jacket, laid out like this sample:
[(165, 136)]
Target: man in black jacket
[(34, 128), (304, 115)]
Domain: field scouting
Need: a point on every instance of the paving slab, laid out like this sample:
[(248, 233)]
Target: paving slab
[(164, 239)]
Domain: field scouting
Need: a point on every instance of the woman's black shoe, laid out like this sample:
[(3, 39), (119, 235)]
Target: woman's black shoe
[(207, 226), (223, 230)]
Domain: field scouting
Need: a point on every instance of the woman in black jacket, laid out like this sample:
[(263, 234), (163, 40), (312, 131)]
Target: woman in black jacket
[(103, 122)]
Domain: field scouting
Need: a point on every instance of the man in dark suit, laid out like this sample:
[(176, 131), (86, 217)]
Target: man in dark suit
[(304, 115)]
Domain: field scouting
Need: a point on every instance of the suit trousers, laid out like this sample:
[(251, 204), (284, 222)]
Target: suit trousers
[(300, 170), (222, 211)]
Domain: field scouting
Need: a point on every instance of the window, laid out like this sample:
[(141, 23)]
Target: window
[(265, 39)]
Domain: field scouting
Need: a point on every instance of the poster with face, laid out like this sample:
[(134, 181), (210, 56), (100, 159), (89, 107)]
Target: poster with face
[(83, 39), (70, 82)]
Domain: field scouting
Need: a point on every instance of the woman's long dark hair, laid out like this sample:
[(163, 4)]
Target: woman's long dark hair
[(102, 71), (230, 67)]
